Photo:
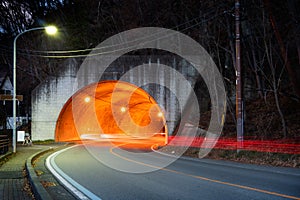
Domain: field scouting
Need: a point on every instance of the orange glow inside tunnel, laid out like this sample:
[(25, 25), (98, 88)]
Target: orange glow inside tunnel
[(112, 110)]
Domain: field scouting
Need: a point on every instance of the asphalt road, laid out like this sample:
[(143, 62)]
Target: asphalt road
[(186, 178)]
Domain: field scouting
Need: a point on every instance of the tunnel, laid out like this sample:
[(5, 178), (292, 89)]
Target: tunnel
[(111, 110)]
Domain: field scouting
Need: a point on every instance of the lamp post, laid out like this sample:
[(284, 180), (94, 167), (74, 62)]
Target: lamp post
[(51, 30)]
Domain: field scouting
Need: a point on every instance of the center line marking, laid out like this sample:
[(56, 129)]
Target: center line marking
[(201, 177)]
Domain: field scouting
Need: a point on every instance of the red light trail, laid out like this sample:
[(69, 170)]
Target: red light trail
[(288, 146)]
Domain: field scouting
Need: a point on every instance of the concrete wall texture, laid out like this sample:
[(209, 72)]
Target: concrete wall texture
[(49, 97)]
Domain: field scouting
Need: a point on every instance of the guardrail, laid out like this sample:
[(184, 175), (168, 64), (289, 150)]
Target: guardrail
[(4, 144)]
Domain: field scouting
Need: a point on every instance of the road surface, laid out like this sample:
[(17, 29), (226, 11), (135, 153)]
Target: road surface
[(186, 178)]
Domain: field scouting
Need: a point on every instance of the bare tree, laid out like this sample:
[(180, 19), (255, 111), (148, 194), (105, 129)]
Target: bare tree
[(289, 68)]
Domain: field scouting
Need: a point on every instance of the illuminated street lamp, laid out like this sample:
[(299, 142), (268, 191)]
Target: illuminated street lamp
[(51, 30)]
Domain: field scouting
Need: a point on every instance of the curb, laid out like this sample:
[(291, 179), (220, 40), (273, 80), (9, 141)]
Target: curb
[(3, 157), (38, 189)]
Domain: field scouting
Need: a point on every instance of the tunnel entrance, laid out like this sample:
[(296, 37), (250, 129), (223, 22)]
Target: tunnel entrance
[(111, 110)]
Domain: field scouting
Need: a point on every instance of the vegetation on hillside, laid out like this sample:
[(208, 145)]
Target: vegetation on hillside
[(269, 40)]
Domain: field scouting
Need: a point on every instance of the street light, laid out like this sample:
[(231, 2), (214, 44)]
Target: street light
[(51, 30)]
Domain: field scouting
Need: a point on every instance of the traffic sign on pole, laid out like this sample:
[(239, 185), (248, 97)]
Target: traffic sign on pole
[(9, 97)]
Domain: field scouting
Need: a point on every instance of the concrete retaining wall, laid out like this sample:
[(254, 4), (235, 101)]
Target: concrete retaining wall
[(49, 97)]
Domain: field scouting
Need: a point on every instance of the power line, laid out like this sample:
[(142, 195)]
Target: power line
[(127, 43), (45, 54)]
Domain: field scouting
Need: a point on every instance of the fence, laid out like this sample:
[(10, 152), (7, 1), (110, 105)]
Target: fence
[(4, 144)]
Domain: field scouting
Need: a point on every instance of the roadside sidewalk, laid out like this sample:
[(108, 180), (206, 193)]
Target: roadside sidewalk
[(13, 185)]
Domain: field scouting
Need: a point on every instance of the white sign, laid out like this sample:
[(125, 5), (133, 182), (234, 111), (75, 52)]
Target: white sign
[(21, 135)]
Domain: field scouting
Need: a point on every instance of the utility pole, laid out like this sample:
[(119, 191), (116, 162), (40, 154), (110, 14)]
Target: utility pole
[(239, 95)]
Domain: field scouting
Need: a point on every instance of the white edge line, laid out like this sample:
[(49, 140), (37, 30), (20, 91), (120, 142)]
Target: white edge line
[(77, 189)]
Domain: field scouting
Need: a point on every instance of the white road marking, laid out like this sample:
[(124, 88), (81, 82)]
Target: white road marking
[(77, 189)]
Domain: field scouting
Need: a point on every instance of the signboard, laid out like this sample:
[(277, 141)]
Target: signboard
[(21, 135), (20, 121), (9, 97)]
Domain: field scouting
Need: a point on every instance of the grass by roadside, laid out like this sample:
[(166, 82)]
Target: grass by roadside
[(259, 158), (43, 142), (4, 158), (250, 157)]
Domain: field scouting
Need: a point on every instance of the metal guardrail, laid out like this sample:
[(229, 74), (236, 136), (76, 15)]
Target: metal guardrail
[(4, 144)]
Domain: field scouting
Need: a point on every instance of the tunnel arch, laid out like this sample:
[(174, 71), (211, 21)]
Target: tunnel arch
[(101, 109)]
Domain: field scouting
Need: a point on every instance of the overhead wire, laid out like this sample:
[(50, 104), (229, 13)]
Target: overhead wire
[(45, 54), (123, 44), (90, 49)]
